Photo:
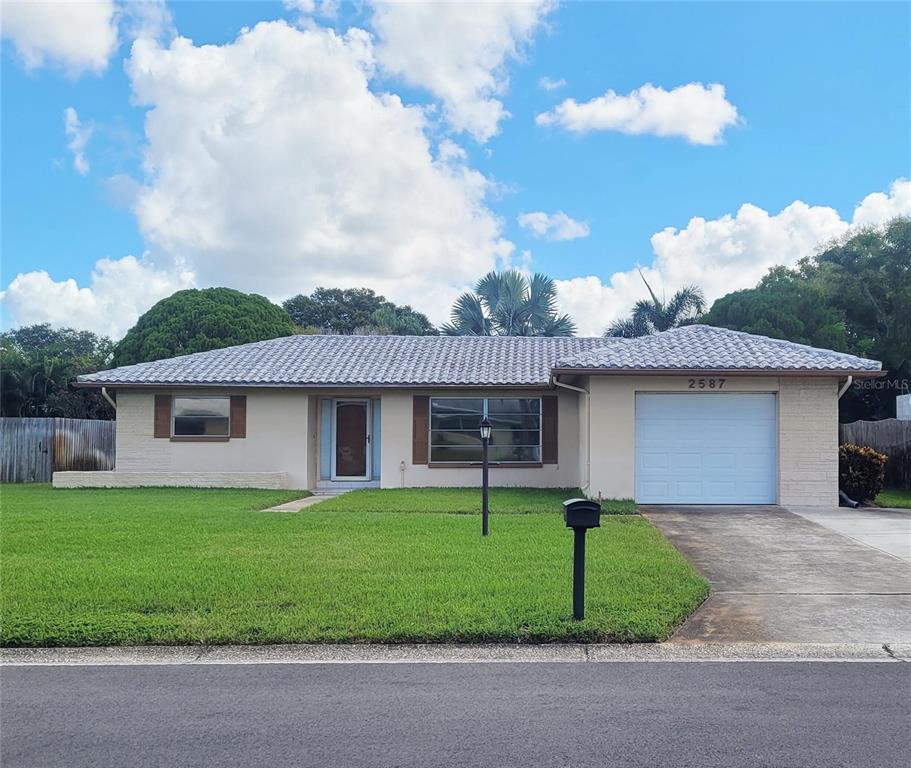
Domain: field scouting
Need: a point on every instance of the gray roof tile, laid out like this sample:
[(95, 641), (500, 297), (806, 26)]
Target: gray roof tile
[(385, 361), (322, 361), (704, 347)]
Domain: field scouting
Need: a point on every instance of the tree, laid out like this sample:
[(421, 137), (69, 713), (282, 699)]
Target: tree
[(653, 315), (785, 305), (866, 276), (509, 304), (391, 320), (199, 320), (853, 295), (355, 310), (38, 365)]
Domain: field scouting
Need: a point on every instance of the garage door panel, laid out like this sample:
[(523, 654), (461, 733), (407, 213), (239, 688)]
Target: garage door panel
[(655, 490), (718, 490), (720, 461), (758, 461), (706, 448), (654, 461), (686, 461)]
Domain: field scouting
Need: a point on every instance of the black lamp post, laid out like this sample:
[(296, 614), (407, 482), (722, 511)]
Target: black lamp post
[(486, 428)]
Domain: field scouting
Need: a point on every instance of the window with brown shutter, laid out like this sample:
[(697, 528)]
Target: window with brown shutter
[(162, 418), (420, 435), (549, 429), (238, 415)]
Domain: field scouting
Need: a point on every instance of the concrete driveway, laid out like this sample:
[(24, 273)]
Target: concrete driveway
[(888, 530), (780, 577)]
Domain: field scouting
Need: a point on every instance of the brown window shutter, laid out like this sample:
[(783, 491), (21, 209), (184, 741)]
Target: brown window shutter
[(549, 429), (162, 415), (420, 436), (238, 415)]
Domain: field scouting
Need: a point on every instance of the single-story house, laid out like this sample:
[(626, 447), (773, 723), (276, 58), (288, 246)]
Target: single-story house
[(694, 415)]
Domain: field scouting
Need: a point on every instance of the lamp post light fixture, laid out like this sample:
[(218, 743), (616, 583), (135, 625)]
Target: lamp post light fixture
[(486, 428)]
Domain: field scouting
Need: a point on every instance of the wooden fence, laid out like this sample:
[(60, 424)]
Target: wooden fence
[(31, 450), (889, 436)]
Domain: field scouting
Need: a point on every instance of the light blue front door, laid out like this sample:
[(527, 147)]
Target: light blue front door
[(717, 448)]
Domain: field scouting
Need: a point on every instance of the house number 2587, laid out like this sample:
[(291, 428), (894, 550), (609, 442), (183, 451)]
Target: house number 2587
[(706, 383)]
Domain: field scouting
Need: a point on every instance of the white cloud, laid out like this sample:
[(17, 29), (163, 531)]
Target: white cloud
[(77, 35), (696, 112), (878, 207), (150, 19), (119, 291), (304, 176), (553, 226), (458, 52), (725, 254), (78, 135), (121, 190), (327, 8), (551, 84)]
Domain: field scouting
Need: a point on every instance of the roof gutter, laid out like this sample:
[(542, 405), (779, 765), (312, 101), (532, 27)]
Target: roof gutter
[(285, 385), (588, 428), (857, 374)]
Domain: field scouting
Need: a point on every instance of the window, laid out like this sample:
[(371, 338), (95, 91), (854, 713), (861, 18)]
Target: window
[(516, 434), (201, 417)]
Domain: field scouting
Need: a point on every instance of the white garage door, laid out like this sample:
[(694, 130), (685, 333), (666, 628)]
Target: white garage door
[(706, 449)]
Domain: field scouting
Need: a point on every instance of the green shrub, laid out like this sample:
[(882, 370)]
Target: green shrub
[(861, 471)]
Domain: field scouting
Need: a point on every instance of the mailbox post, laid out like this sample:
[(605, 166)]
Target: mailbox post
[(580, 515)]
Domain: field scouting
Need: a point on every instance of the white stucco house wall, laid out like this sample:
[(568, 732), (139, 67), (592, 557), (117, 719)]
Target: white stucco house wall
[(696, 415)]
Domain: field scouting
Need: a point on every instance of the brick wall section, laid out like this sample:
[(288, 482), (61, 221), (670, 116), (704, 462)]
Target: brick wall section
[(279, 440), (137, 448), (808, 441), (127, 479)]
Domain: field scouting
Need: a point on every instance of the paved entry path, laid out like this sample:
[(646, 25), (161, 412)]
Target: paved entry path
[(779, 577), (298, 504)]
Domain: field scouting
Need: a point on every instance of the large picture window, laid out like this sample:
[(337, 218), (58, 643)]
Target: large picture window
[(201, 417), (515, 438)]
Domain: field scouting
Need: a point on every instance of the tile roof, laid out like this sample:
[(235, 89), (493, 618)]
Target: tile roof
[(323, 361), (466, 361), (704, 347)]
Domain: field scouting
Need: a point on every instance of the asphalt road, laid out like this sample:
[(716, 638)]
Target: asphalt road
[(541, 714)]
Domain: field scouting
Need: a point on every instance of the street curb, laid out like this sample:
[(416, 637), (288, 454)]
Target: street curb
[(455, 654)]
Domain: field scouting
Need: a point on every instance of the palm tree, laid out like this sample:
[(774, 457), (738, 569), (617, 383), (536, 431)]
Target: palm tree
[(652, 316), (509, 304)]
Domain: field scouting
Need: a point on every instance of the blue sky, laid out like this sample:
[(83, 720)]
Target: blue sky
[(820, 92)]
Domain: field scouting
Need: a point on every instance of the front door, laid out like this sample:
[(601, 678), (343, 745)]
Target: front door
[(351, 450)]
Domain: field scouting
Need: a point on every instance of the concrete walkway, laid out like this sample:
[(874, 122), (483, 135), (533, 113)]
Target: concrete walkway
[(298, 504), (779, 577), (888, 530)]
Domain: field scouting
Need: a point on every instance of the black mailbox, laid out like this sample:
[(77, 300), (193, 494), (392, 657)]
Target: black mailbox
[(582, 513)]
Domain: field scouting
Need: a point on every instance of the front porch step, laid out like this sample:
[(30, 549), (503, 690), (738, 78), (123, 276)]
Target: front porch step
[(329, 488)]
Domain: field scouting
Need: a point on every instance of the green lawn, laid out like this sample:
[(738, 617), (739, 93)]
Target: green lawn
[(462, 501), (898, 499), (99, 567)]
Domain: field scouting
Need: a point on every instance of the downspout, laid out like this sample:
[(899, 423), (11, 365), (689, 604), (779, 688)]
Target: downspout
[(843, 497), (588, 429), (106, 396), (848, 382)]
